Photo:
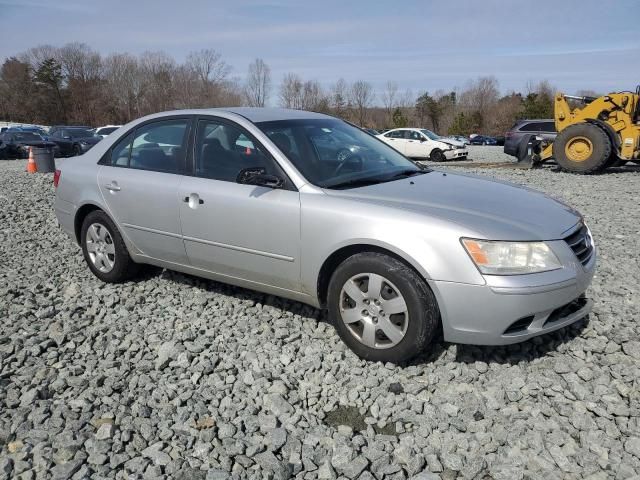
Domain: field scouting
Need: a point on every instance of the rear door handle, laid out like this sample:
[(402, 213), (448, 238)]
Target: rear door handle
[(113, 187)]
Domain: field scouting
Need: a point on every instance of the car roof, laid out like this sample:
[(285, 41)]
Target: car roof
[(536, 120), (406, 128), (253, 114)]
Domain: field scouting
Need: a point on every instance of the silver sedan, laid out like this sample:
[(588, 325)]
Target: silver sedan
[(308, 207)]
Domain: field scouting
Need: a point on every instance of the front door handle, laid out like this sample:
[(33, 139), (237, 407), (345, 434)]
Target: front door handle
[(193, 200), (112, 187)]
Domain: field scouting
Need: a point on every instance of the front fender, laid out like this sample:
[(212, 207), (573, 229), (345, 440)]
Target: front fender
[(431, 245)]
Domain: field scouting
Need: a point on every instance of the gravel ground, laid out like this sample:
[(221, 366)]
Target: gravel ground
[(175, 377)]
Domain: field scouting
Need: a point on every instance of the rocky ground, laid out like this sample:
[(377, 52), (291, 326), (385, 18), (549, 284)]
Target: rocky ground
[(175, 377)]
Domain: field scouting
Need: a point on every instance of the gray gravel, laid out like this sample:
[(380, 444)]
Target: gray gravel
[(176, 377)]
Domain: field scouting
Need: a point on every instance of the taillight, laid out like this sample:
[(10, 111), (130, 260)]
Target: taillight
[(56, 178)]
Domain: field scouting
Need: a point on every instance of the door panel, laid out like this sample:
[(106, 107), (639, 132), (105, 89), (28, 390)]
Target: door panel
[(243, 231), (140, 186), (145, 204), (397, 142), (414, 148)]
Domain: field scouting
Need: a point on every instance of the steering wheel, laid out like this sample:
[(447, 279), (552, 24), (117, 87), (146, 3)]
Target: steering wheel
[(344, 156)]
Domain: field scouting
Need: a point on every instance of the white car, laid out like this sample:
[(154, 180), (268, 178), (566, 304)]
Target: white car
[(424, 144), (106, 130)]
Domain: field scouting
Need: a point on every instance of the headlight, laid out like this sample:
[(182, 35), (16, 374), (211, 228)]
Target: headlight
[(510, 258)]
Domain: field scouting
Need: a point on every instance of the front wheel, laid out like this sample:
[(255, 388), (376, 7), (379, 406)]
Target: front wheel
[(382, 309), (437, 155), (104, 249), (582, 148), (77, 150)]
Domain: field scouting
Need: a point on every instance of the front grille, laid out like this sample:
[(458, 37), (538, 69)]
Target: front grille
[(519, 325), (580, 243), (566, 310)]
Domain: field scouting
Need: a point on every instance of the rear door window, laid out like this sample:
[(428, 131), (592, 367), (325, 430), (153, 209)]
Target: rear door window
[(121, 151), (530, 127)]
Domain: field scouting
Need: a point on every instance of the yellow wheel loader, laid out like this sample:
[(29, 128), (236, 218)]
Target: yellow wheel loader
[(600, 132)]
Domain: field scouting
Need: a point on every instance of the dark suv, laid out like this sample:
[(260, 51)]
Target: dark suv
[(545, 128)]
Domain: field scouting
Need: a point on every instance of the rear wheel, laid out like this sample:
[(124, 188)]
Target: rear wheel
[(381, 308), (104, 249), (437, 155), (582, 148)]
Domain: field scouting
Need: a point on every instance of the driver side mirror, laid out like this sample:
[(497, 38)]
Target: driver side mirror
[(258, 176), (422, 139)]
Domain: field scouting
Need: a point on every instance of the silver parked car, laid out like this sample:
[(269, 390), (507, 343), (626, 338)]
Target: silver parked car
[(308, 207)]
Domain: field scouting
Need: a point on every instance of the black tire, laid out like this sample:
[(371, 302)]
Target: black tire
[(437, 155), (423, 318), (77, 150), (123, 267), (600, 153)]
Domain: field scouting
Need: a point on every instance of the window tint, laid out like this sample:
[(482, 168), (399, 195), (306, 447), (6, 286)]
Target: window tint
[(160, 146), (397, 134), (415, 135), (548, 127), (222, 150), (120, 152)]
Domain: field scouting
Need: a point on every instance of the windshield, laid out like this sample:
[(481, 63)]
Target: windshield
[(430, 134), (79, 132), (331, 153), (27, 136)]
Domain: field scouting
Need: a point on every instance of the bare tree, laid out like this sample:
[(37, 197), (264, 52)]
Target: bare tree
[(258, 83), (339, 99), (291, 91), (361, 96), (479, 98), (208, 65), (390, 98)]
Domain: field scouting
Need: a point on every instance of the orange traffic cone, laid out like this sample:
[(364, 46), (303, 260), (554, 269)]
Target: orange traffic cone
[(31, 166)]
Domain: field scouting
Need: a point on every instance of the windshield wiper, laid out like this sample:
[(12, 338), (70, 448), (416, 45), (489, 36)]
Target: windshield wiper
[(406, 173), (356, 182)]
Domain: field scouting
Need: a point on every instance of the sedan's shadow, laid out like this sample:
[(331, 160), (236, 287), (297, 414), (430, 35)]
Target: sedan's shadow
[(239, 293), (526, 351)]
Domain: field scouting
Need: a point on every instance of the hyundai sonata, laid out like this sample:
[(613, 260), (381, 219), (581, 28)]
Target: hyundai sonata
[(308, 207)]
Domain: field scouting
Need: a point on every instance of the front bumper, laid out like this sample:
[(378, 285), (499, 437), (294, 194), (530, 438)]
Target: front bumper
[(511, 309), (456, 153)]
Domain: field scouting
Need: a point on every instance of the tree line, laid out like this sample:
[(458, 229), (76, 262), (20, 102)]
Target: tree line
[(76, 84)]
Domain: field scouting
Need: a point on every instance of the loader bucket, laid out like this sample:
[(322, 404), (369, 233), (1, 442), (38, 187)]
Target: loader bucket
[(529, 151)]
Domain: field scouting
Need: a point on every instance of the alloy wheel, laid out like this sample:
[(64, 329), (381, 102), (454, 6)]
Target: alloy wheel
[(100, 247), (374, 310)]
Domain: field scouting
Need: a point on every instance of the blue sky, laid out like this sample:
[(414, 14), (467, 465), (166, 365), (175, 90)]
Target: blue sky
[(422, 45)]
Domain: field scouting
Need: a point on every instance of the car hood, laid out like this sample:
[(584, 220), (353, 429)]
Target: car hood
[(451, 141), (492, 209)]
